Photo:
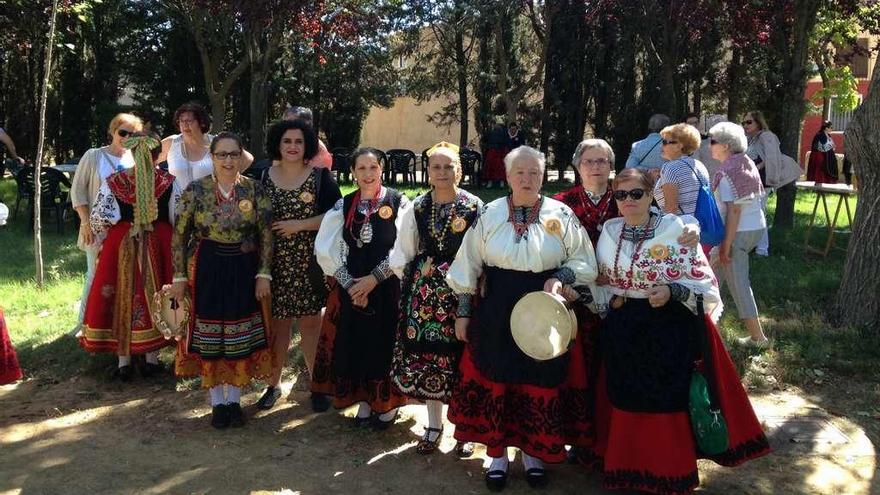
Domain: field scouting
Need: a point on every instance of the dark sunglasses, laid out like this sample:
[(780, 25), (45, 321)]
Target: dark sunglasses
[(124, 133), (665, 142), (635, 194), (748, 122)]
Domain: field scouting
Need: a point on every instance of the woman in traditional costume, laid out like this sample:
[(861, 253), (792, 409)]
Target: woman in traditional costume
[(133, 213), (353, 362), (426, 355), (521, 243), (649, 343), (301, 193), (93, 169), (222, 249), (823, 160)]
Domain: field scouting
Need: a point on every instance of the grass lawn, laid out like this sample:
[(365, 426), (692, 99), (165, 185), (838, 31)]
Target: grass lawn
[(794, 292)]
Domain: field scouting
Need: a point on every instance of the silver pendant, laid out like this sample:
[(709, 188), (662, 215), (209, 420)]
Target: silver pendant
[(366, 234), (360, 244)]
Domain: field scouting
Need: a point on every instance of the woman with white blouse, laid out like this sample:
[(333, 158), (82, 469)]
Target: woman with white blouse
[(93, 169), (187, 153), (521, 243)]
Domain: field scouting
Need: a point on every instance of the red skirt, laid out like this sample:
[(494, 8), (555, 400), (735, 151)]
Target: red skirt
[(118, 316), (656, 452), (382, 395), (540, 421), (817, 169), (493, 164), (9, 368)]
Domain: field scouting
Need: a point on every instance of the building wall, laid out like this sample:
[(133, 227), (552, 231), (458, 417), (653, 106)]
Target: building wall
[(405, 125)]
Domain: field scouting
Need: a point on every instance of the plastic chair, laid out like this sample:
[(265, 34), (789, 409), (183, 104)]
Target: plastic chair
[(52, 196), (471, 162), (401, 161)]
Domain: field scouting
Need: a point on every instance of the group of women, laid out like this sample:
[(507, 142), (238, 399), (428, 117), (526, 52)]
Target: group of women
[(418, 296)]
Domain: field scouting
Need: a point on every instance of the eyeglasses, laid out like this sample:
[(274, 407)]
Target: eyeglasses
[(187, 121), (748, 122), (712, 141), (635, 194), (596, 161), (123, 133), (222, 155), (665, 142)]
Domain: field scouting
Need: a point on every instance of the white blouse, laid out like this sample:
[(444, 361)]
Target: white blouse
[(661, 260), (105, 211), (555, 240), (331, 250), (183, 169)]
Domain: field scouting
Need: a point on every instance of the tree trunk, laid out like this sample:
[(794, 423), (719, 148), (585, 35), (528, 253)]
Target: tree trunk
[(462, 75), (792, 106), (38, 164), (857, 301), (734, 74)]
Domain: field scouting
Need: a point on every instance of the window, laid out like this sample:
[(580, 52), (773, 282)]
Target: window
[(839, 120)]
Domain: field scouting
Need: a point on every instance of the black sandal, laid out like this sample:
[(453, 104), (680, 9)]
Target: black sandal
[(426, 445), (496, 480)]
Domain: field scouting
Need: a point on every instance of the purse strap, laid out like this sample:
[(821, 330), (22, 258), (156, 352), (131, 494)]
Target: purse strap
[(706, 352)]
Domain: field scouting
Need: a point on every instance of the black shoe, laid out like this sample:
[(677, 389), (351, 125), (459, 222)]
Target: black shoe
[(124, 373), (359, 422), (150, 370), (426, 445), (380, 425), (537, 477), (270, 396), (320, 402), (236, 415), (496, 480), (220, 416)]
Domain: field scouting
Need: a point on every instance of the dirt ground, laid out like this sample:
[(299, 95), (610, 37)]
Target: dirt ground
[(92, 436)]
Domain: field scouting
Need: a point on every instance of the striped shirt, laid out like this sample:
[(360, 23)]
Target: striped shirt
[(681, 173)]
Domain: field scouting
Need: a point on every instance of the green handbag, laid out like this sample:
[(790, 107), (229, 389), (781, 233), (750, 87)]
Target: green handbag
[(707, 422)]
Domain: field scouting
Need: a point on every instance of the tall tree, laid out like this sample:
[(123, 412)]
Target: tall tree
[(857, 300)]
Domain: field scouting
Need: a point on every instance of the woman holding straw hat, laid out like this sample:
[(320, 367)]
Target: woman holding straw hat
[(427, 353)]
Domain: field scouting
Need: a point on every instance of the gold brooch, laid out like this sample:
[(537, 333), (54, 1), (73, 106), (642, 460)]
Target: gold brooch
[(458, 225), (553, 226), (658, 252), (245, 206), (306, 197), (385, 212)]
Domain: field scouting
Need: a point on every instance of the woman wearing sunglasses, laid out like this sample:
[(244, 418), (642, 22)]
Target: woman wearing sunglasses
[(222, 255), (353, 361), (648, 342), (681, 176), (764, 151), (94, 167)]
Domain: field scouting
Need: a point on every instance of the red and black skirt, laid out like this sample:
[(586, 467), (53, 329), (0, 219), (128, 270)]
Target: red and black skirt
[(493, 165), (507, 399), (644, 439), (353, 360)]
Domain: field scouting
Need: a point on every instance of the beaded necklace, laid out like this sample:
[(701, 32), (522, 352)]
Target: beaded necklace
[(520, 227), (440, 234)]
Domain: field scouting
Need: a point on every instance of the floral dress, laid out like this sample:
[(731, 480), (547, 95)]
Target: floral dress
[(427, 352), (298, 285)]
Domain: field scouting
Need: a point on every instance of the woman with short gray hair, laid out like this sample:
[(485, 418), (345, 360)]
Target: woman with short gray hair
[(591, 199), (738, 192)]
